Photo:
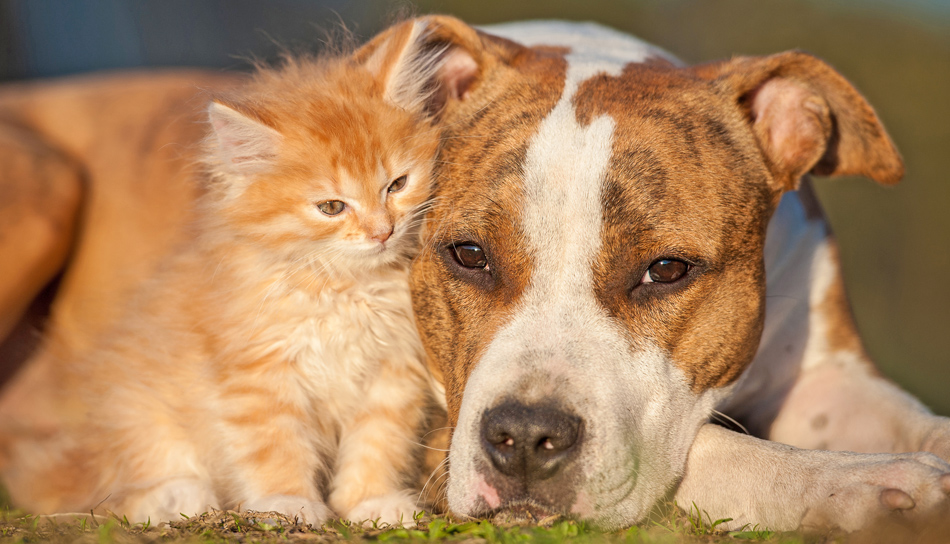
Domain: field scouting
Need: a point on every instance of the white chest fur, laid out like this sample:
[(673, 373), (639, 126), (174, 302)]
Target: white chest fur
[(331, 342)]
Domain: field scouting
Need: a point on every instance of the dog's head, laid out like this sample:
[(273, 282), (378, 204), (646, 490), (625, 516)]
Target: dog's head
[(593, 278)]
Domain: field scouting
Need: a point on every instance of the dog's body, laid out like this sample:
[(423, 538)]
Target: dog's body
[(98, 187), (598, 277)]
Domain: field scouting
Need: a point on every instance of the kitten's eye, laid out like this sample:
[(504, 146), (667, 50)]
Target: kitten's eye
[(469, 255), (397, 184), (665, 271), (331, 207)]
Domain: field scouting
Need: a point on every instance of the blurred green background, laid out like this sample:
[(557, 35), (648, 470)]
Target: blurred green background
[(895, 242)]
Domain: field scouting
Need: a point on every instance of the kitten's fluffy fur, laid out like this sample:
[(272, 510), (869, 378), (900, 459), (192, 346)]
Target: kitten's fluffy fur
[(273, 364)]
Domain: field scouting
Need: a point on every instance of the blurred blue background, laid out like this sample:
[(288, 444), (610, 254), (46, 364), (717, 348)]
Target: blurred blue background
[(896, 242)]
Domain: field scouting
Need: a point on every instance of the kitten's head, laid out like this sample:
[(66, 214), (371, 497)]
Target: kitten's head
[(330, 161)]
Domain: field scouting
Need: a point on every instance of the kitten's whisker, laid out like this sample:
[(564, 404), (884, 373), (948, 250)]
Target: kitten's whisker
[(325, 261), (439, 235)]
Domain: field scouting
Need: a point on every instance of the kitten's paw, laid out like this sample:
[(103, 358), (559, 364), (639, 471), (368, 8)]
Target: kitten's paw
[(305, 510), (878, 488), (168, 501), (394, 509)]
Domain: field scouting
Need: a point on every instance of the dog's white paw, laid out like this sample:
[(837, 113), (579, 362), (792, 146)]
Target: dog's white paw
[(937, 439), (874, 488), (395, 509), (169, 501), (305, 510)]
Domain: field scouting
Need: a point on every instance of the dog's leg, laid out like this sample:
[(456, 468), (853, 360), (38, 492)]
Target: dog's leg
[(40, 195), (378, 447), (811, 384), (839, 401), (753, 481)]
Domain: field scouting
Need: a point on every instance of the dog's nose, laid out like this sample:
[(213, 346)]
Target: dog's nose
[(529, 442)]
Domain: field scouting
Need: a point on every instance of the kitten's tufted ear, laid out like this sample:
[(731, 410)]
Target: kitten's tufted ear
[(806, 118), (243, 145), (423, 63)]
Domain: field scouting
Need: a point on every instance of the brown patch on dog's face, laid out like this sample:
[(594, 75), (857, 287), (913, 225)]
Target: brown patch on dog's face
[(482, 157), (686, 183)]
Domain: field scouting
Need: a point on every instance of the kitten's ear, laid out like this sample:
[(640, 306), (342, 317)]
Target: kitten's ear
[(244, 145), (423, 63)]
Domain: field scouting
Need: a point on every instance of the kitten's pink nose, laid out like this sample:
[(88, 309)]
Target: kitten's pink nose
[(383, 234)]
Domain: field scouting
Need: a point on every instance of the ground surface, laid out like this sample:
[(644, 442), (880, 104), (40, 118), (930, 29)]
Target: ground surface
[(228, 527), (672, 526)]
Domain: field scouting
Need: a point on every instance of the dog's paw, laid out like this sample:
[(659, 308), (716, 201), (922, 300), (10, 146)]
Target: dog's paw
[(873, 489), (304, 510), (394, 509), (937, 439)]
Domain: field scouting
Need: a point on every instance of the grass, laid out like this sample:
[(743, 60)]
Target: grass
[(227, 527), (671, 526)]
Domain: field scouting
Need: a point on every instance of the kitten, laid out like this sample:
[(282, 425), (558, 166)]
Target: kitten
[(273, 363)]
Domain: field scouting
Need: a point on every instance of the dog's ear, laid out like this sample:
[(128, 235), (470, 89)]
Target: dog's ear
[(424, 63), (806, 118)]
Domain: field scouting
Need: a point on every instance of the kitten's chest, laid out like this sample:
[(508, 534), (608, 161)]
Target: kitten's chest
[(338, 338)]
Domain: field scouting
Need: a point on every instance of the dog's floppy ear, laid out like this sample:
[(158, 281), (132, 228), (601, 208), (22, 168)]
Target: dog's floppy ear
[(423, 63), (807, 117)]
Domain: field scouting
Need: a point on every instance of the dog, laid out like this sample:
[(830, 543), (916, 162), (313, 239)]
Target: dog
[(623, 245), (619, 246)]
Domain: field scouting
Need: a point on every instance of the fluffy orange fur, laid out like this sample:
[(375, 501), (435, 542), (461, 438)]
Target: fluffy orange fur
[(273, 363)]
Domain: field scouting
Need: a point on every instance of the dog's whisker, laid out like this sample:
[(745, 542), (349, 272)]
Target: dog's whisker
[(437, 430), (429, 447), (434, 477), (729, 419)]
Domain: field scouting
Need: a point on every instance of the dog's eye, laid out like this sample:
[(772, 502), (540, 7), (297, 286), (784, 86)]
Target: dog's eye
[(397, 184), (331, 207), (469, 255), (665, 271)]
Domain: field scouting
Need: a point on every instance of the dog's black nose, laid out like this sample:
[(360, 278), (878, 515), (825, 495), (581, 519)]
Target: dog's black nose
[(529, 442)]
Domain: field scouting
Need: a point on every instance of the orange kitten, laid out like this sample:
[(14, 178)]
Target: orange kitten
[(273, 364)]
